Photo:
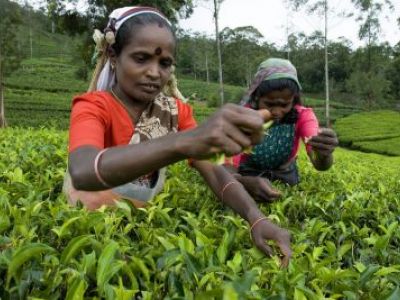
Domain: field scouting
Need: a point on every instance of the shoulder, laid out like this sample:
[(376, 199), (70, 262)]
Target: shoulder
[(97, 97), (185, 115), (303, 109), (182, 105), (305, 113)]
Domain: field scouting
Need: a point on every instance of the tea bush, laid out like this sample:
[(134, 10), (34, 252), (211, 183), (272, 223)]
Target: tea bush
[(186, 245)]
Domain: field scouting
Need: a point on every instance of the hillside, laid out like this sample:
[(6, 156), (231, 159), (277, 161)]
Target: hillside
[(43, 88), (377, 131)]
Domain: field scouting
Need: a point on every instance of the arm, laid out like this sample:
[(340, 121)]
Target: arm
[(236, 197), (229, 130), (320, 142), (259, 188)]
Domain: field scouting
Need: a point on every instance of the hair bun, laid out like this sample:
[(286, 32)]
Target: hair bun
[(110, 37)]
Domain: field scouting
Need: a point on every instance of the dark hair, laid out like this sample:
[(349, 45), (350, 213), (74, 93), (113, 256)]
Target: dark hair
[(127, 30), (279, 84)]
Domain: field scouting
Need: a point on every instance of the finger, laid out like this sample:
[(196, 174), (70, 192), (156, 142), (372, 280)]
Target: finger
[(256, 137), (327, 132), (237, 176), (286, 251), (285, 261), (324, 140), (247, 119), (321, 146), (270, 191), (265, 114), (269, 197), (238, 136), (262, 245), (284, 246), (229, 146), (249, 127)]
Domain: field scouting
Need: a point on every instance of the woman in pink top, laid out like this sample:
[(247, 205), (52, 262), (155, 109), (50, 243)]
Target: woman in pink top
[(277, 88)]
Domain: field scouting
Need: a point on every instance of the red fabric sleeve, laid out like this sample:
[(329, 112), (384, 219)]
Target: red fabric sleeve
[(185, 116), (88, 122), (185, 120), (307, 125)]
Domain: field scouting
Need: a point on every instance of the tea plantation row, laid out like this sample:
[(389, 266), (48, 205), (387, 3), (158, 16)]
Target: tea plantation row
[(186, 245)]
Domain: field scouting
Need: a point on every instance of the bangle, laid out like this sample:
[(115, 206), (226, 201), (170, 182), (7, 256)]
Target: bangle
[(256, 222), (225, 187), (96, 168)]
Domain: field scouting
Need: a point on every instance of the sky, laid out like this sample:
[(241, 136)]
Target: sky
[(272, 19)]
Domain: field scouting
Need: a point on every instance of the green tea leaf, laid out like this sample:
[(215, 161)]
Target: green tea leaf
[(383, 271), (107, 266), (235, 263), (74, 245), (343, 249), (367, 274), (77, 289), (24, 254), (230, 293)]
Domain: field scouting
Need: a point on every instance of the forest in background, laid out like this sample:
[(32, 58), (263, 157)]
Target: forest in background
[(366, 76)]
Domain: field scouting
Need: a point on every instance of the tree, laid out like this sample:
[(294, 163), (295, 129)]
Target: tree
[(97, 11), (321, 7), (393, 73), (369, 87), (339, 64), (244, 42), (370, 81), (370, 11), (73, 19), (217, 4), (10, 56)]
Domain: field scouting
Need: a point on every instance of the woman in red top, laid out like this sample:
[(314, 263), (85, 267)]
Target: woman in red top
[(126, 130)]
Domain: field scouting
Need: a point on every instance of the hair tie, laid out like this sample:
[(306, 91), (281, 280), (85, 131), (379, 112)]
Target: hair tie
[(110, 37)]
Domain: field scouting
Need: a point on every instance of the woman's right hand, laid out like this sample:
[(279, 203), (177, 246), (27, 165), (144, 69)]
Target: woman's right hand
[(265, 230), (259, 188), (229, 130)]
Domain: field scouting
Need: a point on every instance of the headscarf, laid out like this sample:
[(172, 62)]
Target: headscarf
[(272, 68), (104, 74)]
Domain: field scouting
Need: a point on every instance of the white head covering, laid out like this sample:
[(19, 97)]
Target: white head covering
[(107, 75)]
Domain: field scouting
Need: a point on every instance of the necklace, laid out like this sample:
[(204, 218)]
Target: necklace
[(134, 118)]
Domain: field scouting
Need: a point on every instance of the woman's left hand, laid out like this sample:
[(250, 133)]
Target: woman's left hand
[(325, 142)]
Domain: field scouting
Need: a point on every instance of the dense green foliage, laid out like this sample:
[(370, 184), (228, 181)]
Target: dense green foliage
[(377, 131), (10, 19), (186, 245)]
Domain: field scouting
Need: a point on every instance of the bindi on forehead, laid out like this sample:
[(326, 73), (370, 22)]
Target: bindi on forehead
[(158, 51)]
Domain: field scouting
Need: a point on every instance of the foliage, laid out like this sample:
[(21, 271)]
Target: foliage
[(10, 55), (376, 131), (185, 245), (71, 19), (369, 87), (243, 49)]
